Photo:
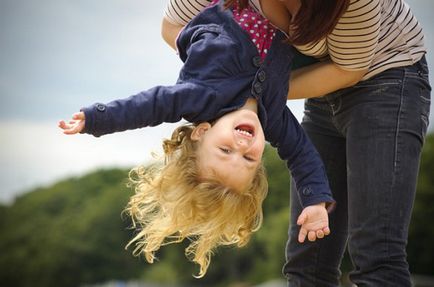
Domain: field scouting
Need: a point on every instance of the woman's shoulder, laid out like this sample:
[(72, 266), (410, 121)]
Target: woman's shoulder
[(363, 17), (180, 12), (360, 9)]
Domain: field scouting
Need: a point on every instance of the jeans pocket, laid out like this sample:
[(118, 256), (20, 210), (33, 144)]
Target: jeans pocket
[(378, 83), (425, 102), (425, 111)]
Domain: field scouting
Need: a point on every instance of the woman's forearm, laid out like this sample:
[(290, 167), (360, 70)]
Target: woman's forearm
[(169, 32), (319, 79)]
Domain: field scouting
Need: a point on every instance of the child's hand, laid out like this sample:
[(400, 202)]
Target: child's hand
[(314, 223), (74, 126)]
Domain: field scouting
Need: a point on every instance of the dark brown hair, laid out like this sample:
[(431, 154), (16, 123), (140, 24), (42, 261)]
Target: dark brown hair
[(315, 19)]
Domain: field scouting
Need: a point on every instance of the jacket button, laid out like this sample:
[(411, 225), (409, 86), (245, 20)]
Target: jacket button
[(257, 87), (261, 75), (100, 107), (307, 191), (257, 61)]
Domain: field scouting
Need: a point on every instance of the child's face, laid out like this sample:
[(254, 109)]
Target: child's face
[(231, 149)]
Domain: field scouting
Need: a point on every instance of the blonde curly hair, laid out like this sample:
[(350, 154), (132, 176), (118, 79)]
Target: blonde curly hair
[(173, 202)]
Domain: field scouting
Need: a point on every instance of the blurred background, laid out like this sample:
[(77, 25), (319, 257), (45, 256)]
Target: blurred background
[(61, 197)]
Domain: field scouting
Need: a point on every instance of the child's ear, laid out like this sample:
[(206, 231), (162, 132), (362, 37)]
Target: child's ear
[(200, 130)]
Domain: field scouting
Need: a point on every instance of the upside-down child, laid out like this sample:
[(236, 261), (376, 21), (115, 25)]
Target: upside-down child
[(211, 187)]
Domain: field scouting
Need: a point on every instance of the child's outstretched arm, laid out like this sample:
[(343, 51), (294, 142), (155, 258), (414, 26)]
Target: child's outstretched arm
[(302, 159), (74, 126), (202, 92), (308, 173), (314, 222)]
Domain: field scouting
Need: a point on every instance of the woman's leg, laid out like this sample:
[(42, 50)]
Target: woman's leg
[(383, 121), (317, 263), (385, 128)]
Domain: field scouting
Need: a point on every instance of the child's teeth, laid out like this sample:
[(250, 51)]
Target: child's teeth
[(244, 132)]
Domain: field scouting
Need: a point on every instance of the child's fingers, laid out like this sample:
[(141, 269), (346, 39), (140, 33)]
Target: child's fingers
[(65, 126), (71, 131), (73, 126), (302, 218), (78, 116), (77, 128), (311, 235), (302, 235), (68, 129), (69, 124)]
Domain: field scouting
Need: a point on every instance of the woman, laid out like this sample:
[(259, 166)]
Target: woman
[(367, 115)]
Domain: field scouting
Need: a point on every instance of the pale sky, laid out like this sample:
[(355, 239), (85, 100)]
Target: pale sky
[(57, 56)]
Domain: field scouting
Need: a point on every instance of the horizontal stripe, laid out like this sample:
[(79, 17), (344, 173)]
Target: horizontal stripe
[(373, 34)]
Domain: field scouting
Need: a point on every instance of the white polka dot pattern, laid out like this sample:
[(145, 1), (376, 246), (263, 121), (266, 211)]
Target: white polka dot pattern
[(259, 29)]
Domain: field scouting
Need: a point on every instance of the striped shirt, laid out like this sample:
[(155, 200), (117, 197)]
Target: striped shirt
[(372, 34), (180, 12)]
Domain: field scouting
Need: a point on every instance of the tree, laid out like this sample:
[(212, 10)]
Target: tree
[(421, 234), (72, 233), (67, 234)]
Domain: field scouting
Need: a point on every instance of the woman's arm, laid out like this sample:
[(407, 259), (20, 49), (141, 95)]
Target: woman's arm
[(315, 80), (169, 32), (321, 78), (351, 47), (177, 14)]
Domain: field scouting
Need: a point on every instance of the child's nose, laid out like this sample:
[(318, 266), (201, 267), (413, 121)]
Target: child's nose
[(242, 142)]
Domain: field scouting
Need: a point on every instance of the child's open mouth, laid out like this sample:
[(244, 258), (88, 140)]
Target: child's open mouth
[(245, 130)]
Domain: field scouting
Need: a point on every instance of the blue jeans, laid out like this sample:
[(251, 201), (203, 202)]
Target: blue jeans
[(370, 138)]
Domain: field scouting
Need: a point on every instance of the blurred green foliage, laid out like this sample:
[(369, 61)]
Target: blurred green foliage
[(72, 233), (67, 234), (421, 234)]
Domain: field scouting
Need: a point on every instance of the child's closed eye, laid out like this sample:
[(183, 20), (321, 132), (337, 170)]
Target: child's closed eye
[(225, 150), (249, 158)]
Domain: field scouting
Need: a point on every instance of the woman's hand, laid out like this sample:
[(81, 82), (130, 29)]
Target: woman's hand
[(74, 126), (314, 223)]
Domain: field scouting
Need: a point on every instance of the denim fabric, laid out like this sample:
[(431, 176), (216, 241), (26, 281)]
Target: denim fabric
[(370, 138), (222, 69)]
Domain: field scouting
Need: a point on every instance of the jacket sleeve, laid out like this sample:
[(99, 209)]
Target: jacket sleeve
[(160, 104), (302, 159), (193, 97)]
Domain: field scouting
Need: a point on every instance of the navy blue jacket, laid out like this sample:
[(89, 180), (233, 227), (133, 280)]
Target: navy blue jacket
[(221, 70)]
